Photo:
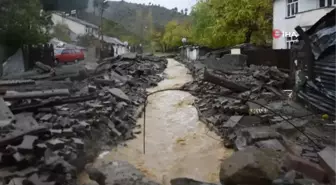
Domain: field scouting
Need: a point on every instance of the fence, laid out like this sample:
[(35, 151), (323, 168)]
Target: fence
[(269, 57), (43, 53)]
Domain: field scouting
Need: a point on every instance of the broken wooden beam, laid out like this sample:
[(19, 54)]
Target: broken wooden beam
[(14, 95), (208, 77), (16, 82), (50, 103)]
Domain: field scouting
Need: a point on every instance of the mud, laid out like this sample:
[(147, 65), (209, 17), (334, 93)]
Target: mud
[(177, 143)]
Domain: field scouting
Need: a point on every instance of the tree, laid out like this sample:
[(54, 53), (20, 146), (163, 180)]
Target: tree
[(174, 32), (61, 31), (23, 22), (230, 22), (186, 11), (64, 5), (182, 11)]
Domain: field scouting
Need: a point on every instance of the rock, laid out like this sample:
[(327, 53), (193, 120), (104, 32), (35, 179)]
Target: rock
[(16, 181), (290, 176), (119, 94), (306, 182), (120, 172), (254, 134), (327, 162), (271, 144), (251, 166), (187, 181), (285, 126), (232, 122), (91, 183), (27, 144), (55, 144), (96, 175), (311, 170)]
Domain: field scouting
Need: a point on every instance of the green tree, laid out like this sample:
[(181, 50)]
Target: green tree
[(174, 32), (23, 22), (61, 31), (226, 22)]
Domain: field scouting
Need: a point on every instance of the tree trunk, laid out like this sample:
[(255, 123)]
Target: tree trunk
[(248, 36)]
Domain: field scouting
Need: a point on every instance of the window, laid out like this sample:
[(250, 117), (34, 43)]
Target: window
[(327, 3), (58, 51), (66, 51), (292, 7), (290, 41)]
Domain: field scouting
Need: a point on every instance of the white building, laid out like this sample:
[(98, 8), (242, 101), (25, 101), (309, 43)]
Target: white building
[(287, 14), (119, 47), (77, 26)]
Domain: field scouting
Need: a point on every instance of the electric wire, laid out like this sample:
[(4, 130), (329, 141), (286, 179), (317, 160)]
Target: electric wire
[(222, 95)]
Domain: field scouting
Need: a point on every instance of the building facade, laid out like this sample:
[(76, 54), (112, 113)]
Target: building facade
[(287, 14), (77, 26)]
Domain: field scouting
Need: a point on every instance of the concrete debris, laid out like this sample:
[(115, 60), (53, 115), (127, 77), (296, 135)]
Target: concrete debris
[(59, 135), (118, 172), (327, 162), (12, 95), (247, 107), (310, 169), (187, 181), (251, 166)]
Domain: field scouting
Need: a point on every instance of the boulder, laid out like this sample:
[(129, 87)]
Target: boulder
[(118, 172), (251, 166), (187, 181)]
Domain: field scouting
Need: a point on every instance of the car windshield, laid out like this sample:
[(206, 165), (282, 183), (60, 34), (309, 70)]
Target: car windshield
[(58, 51)]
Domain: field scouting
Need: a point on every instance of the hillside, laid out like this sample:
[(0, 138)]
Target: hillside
[(110, 27), (137, 18)]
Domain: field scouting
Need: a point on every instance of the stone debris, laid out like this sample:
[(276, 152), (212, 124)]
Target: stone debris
[(187, 181), (49, 138), (247, 107), (251, 166), (118, 172)]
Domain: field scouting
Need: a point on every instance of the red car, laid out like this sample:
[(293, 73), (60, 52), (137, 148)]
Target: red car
[(64, 55)]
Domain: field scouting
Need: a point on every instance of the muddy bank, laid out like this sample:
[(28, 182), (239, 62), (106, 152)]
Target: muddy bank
[(177, 143), (51, 135)]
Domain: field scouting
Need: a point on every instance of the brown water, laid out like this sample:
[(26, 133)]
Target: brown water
[(177, 143)]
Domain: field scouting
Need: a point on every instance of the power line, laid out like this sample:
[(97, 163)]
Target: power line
[(222, 95)]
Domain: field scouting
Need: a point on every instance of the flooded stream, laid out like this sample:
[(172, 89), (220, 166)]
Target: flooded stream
[(177, 143)]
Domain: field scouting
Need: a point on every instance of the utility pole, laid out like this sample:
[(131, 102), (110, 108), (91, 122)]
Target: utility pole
[(103, 5)]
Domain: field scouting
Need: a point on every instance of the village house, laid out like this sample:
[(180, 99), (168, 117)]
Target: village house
[(287, 14), (77, 26)]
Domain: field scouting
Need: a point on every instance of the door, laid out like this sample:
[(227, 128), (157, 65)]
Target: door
[(66, 55), (73, 55)]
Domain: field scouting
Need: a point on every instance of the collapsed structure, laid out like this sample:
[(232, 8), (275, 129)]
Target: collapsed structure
[(51, 129)]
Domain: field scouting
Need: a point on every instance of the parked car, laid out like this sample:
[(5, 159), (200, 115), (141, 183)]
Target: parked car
[(65, 55)]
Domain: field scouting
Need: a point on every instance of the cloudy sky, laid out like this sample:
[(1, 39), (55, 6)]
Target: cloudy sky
[(168, 3)]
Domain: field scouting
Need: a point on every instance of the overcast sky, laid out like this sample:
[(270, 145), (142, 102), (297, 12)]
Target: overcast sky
[(168, 3)]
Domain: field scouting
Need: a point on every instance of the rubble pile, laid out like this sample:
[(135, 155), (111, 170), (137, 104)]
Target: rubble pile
[(248, 83), (48, 136), (255, 117)]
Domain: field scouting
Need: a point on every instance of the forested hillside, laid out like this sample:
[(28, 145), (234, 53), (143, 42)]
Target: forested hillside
[(64, 5), (139, 18)]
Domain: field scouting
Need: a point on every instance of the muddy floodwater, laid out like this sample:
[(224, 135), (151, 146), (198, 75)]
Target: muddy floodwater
[(177, 143)]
